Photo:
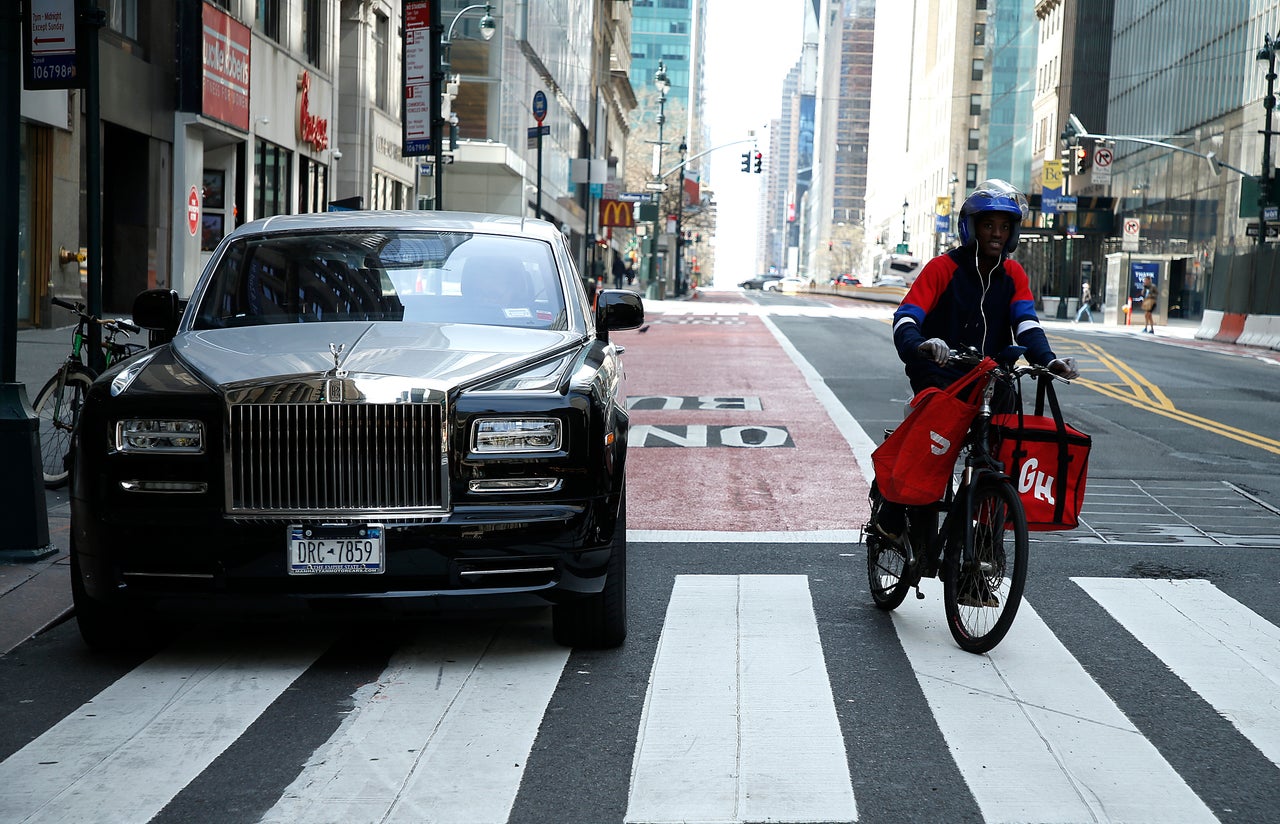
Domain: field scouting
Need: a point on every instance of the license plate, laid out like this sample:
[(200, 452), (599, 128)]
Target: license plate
[(335, 550)]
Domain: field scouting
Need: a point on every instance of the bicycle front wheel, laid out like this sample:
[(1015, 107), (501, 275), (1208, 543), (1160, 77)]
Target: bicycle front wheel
[(984, 581), (888, 574), (58, 408)]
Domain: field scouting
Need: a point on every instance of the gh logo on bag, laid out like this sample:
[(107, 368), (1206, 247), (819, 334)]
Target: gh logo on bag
[(940, 445), (1029, 478)]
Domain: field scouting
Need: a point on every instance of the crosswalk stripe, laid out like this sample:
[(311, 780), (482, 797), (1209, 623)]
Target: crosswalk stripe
[(153, 731), (1220, 648), (1034, 736), (442, 736), (739, 723)]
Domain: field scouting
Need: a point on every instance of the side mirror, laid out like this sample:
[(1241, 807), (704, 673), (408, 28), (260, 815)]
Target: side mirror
[(158, 311), (617, 309)]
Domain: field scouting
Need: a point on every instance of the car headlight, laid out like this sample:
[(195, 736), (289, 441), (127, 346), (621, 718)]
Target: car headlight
[(515, 435), (152, 435), (127, 375)]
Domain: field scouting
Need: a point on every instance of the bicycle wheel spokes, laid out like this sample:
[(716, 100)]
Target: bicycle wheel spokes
[(886, 572), (58, 409), (984, 587)]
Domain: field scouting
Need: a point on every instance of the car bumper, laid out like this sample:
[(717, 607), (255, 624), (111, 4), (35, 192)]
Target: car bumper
[(479, 556)]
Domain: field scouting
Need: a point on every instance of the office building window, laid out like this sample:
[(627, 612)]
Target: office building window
[(313, 186), (270, 179), (971, 175), (979, 34), (982, 5), (312, 30), (976, 72), (388, 193), (975, 136), (122, 17), (269, 18), (382, 51), (975, 104)]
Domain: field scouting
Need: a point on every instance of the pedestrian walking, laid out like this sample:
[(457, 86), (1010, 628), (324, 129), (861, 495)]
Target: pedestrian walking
[(1086, 302), (1148, 305)]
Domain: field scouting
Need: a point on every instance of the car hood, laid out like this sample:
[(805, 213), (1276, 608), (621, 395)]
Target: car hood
[(445, 354)]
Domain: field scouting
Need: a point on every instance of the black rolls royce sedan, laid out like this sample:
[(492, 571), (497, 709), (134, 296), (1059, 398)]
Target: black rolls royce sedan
[(371, 409)]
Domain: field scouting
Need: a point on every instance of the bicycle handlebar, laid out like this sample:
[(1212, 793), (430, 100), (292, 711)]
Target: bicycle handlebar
[(116, 324), (971, 357)]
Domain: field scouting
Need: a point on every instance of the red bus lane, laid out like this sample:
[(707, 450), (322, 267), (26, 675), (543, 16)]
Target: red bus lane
[(728, 436)]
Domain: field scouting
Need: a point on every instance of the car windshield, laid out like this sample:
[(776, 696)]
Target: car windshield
[(409, 276)]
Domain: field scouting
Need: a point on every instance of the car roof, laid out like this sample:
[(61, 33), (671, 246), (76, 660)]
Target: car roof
[(357, 220)]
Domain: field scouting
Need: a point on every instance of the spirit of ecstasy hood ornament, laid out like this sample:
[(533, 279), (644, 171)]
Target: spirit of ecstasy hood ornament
[(336, 350)]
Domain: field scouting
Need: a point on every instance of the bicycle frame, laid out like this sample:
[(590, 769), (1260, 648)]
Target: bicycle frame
[(979, 464)]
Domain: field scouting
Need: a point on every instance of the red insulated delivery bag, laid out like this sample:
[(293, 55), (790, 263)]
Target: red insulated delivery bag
[(914, 464), (1047, 460)]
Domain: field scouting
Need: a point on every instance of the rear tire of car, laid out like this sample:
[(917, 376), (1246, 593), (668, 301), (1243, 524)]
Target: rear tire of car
[(599, 621)]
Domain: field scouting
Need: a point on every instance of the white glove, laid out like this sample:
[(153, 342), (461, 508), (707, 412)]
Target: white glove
[(935, 349), (1064, 368)]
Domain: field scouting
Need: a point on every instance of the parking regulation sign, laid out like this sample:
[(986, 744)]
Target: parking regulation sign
[(49, 56)]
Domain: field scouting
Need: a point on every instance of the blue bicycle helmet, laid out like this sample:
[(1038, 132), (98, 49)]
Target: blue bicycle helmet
[(993, 196)]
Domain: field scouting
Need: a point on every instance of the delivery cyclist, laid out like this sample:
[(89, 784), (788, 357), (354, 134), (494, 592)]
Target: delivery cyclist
[(973, 295)]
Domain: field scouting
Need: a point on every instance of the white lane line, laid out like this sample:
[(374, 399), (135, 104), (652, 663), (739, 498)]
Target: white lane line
[(739, 723), (857, 438), (124, 755), (1223, 650), (1034, 736), (442, 736)]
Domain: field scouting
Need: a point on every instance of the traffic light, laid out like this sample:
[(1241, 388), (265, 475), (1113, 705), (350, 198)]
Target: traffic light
[(1068, 153), (746, 162), (1079, 155), (759, 161)]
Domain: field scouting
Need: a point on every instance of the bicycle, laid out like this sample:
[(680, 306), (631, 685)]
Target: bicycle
[(59, 401), (980, 550)]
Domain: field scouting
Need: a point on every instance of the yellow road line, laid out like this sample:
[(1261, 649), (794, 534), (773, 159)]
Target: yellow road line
[(1143, 394)]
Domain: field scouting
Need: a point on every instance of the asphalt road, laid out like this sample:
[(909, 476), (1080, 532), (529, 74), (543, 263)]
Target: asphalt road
[(1134, 724)]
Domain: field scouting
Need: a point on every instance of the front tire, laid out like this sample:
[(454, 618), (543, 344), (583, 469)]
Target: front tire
[(982, 594), (888, 575), (599, 621), (103, 627), (58, 406)]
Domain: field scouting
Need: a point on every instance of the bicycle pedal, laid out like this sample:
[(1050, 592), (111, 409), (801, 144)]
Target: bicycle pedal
[(919, 594)]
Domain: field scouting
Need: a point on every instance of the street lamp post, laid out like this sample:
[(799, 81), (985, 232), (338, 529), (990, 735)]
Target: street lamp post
[(487, 28), (679, 277), (663, 83), (1267, 53), (903, 245)]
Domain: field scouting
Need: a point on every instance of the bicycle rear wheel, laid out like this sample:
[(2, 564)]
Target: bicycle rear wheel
[(983, 586), (58, 408), (888, 575)]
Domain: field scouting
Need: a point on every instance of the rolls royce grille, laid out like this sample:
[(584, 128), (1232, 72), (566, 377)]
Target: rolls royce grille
[(335, 459)]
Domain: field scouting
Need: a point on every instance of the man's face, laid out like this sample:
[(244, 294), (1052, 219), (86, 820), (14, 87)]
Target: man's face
[(993, 230)]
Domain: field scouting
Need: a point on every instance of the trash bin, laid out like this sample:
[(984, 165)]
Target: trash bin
[(1051, 307), (1073, 306)]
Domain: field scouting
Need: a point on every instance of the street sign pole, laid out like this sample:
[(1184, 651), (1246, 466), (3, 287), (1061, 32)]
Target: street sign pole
[(539, 112)]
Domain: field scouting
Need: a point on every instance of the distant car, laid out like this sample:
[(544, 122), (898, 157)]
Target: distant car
[(393, 410), (756, 282), (785, 285), (890, 280), (846, 280)]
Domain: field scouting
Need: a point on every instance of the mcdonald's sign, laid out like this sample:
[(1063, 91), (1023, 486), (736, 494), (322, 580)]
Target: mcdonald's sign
[(617, 213)]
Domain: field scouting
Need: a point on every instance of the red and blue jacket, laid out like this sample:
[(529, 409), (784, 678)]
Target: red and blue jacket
[(951, 300)]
